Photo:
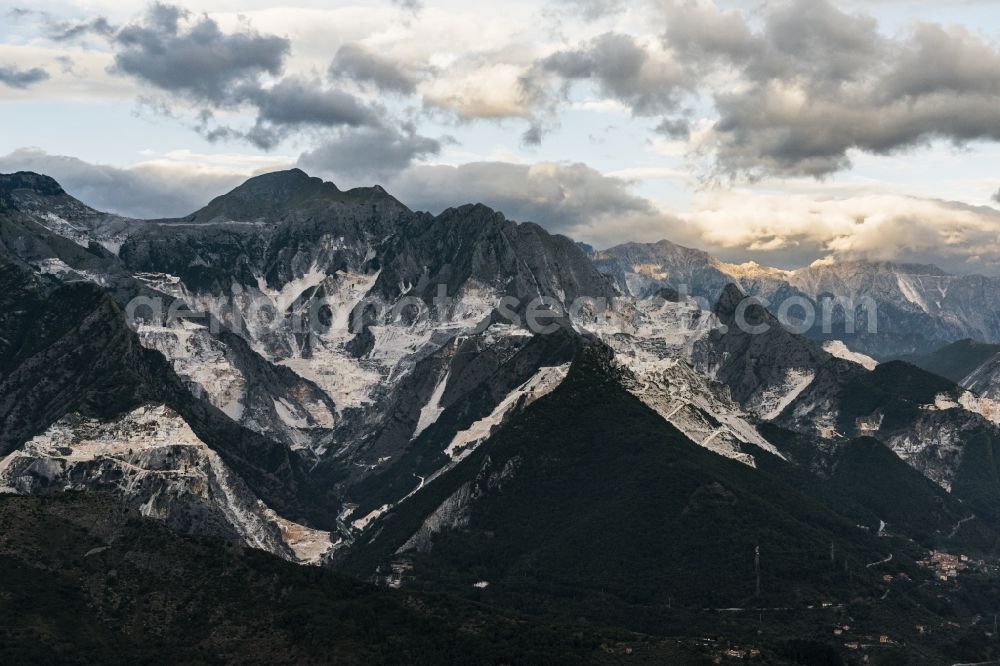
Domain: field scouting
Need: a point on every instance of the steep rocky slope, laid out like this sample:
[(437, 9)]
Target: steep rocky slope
[(589, 504), (40, 199), (352, 282), (70, 364), (941, 429)]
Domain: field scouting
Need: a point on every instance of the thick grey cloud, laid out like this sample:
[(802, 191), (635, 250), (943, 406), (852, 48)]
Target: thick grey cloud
[(300, 102), (148, 191), (178, 52), (702, 36), (674, 128), (194, 62), (810, 42), (293, 103), (191, 57), (815, 41), (195, 59), (996, 197), (796, 86), (622, 69), (15, 77), (765, 132), (936, 60), (369, 153), (357, 62), (816, 83)]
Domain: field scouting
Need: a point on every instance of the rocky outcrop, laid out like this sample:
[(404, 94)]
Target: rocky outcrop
[(27, 196), (154, 463), (67, 348)]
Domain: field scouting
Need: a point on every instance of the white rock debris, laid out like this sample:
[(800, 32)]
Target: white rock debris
[(933, 449), (309, 545), (430, 412), (911, 291), (201, 359), (363, 522), (152, 459), (697, 407), (839, 349), (773, 400), (541, 384)]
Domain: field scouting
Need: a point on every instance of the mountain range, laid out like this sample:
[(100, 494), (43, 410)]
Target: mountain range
[(898, 309), (339, 381)]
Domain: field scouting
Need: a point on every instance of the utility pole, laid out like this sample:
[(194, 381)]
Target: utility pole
[(833, 557), (756, 567)]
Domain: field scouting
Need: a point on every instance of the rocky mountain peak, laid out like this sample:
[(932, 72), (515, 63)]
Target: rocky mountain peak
[(729, 300), (14, 186), (867, 266), (280, 193), (29, 180), (472, 211)]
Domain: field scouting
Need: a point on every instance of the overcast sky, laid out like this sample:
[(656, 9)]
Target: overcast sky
[(782, 131)]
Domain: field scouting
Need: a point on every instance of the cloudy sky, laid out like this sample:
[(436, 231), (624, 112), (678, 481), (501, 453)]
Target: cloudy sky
[(783, 131)]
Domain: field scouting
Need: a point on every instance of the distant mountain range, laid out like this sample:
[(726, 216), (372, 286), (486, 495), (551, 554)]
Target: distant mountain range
[(919, 307), (339, 381)]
